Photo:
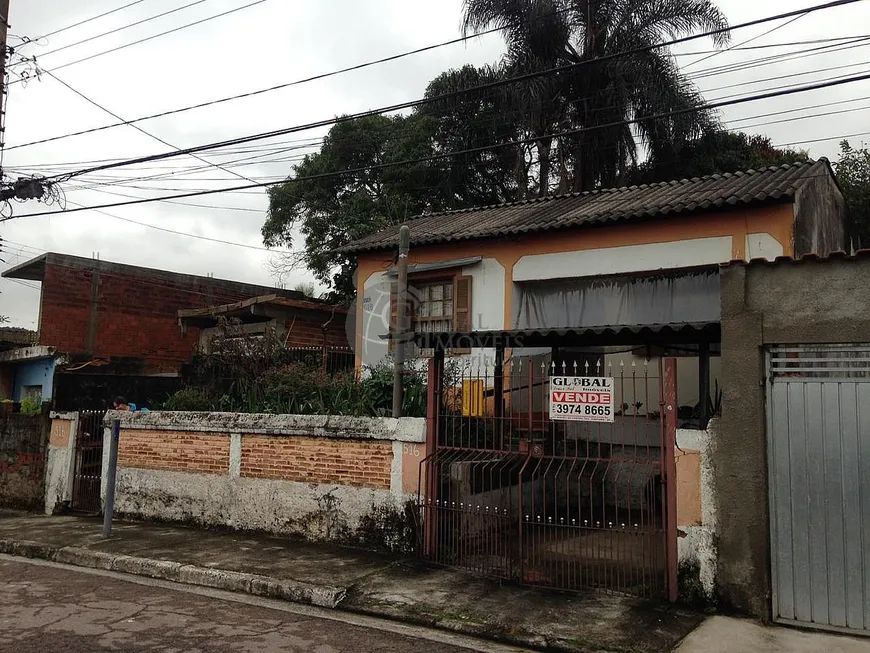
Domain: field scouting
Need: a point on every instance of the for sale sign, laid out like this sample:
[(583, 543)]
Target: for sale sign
[(581, 398)]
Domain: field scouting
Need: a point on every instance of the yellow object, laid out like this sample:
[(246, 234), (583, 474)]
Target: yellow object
[(472, 398)]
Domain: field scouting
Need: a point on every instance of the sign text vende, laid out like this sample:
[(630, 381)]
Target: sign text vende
[(581, 398)]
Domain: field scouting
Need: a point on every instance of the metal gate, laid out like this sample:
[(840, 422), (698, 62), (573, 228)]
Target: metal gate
[(88, 469), (818, 413), (511, 494)]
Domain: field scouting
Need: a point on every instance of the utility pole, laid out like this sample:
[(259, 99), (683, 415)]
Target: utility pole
[(401, 321), (4, 32)]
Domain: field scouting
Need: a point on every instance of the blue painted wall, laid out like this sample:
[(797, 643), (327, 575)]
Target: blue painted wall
[(38, 372)]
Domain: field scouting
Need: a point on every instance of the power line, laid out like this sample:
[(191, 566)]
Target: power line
[(82, 22), (154, 36), (164, 229), (119, 29), (435, 157), (742, 43), (686, 39), (140, 129)]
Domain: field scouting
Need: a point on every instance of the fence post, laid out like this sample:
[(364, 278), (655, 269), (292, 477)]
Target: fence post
[(669, 421), (111, 473)]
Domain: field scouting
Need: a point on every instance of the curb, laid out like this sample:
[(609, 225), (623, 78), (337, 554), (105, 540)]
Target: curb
[(323, 596), (286, 590)]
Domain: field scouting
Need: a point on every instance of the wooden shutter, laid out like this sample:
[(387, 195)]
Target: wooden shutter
[(462, 308), (394, 311)]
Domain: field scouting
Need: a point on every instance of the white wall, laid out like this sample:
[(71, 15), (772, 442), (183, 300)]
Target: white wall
[(487, 312), (622, 260)]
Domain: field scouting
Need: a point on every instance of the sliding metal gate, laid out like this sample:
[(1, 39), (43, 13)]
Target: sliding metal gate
[(818, 412)]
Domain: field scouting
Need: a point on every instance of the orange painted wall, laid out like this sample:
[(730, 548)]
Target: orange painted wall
[(776, 220)]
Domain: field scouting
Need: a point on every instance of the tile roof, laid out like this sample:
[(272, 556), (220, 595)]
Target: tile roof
[(860, 255), (774, 184)]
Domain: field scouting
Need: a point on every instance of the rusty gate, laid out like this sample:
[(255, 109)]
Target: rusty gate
[(508, 492), (88, 470)]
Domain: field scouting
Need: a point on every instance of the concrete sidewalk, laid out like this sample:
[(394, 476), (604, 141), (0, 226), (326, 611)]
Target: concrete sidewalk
[(729, 635), (364, 582), (355, 581)]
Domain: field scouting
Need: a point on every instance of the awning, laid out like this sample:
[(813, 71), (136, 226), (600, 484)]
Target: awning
[(685, 333), (417, 268)]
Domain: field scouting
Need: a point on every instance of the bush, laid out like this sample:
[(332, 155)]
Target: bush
[(304, 389)]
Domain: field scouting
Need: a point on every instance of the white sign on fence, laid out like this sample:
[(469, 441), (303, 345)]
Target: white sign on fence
[(581, 398)]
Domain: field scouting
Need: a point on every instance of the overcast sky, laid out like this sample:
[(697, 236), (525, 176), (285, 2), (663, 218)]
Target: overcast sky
[(280, 41)]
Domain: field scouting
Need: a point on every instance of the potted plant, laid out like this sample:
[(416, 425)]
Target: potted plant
[(7, 406)]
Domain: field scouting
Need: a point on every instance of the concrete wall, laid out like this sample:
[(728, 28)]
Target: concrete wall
[(821, 223), (696, 505), (769, 304), (23, 440), (60, 461), (324, 478)]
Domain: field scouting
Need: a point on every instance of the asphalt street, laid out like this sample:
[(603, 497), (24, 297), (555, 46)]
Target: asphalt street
[(45, 607)]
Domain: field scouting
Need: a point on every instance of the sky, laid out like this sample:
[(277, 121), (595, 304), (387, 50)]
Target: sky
[(275, 42)]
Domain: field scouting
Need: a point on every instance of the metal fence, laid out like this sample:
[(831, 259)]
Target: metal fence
[(87, 475), (513, 493)]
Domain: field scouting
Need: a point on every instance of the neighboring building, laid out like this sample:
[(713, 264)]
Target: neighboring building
[(644, 255), (116, 329)]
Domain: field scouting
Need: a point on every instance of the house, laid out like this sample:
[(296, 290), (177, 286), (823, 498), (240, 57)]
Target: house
[(308, 327), (644, 255), (109, 328), (572, 344)]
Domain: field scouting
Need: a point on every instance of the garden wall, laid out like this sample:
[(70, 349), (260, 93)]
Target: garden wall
[(696, 512), (23, 441), (344, 479)]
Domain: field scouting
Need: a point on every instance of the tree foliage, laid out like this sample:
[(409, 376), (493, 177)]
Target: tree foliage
[(853, 175), (344, 192), (546, 34), (716, 151)]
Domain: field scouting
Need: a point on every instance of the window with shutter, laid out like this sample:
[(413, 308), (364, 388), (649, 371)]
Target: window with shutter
[(438, 305)]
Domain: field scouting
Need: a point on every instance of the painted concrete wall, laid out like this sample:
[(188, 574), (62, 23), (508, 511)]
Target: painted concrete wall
[(222, 492), (696, 504), (60, 461), (622, 260), (34, 373), (487, 309), (805, 303)]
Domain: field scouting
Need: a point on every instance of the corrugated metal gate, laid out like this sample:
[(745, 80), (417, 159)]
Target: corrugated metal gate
[(88, 473), (568, 505), (818, 413)]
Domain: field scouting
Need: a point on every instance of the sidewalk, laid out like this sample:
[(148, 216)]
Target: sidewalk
[(355, 581)]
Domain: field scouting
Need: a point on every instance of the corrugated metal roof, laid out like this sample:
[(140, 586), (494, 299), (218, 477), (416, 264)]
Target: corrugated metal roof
[(775, 184)]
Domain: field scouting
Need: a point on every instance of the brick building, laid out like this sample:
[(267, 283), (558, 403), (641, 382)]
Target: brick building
[(110, 328)]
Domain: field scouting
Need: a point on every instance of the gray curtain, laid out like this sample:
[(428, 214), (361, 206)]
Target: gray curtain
[(618, 300)]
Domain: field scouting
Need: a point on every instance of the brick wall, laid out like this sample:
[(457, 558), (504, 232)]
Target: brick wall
[(135, 316), (318, 460), (315, 476), (181, 451)]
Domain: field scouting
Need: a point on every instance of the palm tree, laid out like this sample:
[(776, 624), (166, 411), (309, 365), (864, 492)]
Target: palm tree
[(544, 34)]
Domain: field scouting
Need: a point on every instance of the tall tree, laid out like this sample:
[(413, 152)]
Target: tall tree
[(471, 121), (348, 190), (545, 34), (853, 175)]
